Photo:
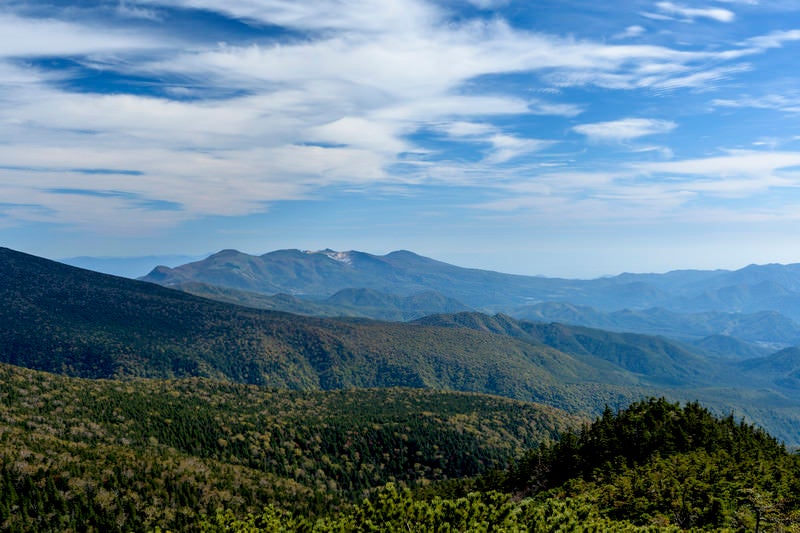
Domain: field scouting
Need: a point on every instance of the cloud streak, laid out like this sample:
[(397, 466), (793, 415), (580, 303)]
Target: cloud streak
[(626, 129), (690, 14)]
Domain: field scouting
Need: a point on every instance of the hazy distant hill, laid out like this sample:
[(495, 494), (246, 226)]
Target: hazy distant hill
[(730, 347), (762, 327), (364, 303), (783, 367)]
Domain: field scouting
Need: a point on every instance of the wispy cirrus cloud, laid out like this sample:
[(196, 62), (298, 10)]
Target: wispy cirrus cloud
[(700, 190), (626, 129), (502, 147), (775, 39), (778, 102), (363, 16), (690, 13)]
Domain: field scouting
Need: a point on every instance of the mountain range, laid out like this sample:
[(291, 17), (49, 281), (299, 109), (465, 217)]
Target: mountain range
[(80, 323), (757, 306)]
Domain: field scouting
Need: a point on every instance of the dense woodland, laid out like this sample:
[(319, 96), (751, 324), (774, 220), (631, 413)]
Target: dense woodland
[(202, 455), (132, 455), (656, 466)]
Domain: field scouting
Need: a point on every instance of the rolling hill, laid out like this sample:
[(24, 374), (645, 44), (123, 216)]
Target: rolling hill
[(364, 303)]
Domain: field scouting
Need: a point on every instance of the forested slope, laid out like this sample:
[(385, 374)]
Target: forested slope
[(80, 454), (656, 466)]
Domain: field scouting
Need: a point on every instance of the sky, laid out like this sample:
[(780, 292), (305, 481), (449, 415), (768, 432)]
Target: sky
[(564, 138)]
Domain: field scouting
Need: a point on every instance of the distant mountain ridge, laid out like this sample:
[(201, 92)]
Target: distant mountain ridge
[(763, 327), (321, 274), (758, 306)]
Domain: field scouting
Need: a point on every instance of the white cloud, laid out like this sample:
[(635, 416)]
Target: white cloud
[(125, 9), (399, 16), (466, 129), (775, 39), (625, 129), (779, 102), (377, 136), (26, 37), (630, 32), (713, 13)]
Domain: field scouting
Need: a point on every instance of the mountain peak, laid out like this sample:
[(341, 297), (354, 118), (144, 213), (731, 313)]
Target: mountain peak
[(159, 273), (228, 252), (342, 257)]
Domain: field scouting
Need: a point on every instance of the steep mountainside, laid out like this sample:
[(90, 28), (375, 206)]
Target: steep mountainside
[(658, 358)]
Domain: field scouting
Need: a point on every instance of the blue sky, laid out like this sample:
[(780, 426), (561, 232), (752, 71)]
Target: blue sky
[(565, 138)]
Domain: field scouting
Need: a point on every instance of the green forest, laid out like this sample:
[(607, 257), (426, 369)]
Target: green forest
[(202, 455), (656, 466), (133, 455)]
